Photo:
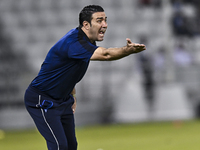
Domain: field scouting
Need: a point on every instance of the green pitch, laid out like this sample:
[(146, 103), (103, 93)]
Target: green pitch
[(183, 135)]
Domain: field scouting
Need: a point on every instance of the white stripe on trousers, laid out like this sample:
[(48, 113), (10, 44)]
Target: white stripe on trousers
[(48, 124)]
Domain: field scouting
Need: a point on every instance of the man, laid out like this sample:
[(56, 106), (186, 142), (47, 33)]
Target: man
[(50, 98)]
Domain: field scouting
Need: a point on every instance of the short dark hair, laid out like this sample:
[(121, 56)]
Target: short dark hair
[(86, 13)]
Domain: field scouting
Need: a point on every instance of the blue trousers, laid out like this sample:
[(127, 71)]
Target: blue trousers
[(54, 119)]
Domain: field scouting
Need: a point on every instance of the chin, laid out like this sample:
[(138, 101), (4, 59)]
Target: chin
[(100, 39)]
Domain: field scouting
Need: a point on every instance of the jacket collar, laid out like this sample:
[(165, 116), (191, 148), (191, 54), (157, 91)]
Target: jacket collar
[(83, 34)]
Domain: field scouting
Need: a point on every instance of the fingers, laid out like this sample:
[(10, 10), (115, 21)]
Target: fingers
[(73, 110), (139, 47), (74, 107)]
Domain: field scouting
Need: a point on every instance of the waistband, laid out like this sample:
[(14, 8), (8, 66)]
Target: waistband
[(30, 87)]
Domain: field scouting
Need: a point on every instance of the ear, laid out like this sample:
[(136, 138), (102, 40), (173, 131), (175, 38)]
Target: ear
[(86, 25)]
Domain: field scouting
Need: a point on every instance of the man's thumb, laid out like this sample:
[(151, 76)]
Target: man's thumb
[(128, 41)]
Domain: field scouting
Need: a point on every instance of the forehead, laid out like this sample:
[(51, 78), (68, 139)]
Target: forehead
[(98, 15)]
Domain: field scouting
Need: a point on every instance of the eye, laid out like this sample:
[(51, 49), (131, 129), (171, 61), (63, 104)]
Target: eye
[(99, 21)]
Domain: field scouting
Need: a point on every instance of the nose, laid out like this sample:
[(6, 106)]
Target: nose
[(105, 24)]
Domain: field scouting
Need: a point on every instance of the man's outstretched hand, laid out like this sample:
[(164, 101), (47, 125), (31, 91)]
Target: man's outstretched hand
[(135, 47)]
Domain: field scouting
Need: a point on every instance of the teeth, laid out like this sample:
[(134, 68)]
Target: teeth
[(101, 34)]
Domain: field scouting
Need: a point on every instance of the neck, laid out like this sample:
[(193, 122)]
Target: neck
[(87, 33)]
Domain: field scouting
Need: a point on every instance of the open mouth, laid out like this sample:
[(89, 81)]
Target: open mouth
[(102, 32)]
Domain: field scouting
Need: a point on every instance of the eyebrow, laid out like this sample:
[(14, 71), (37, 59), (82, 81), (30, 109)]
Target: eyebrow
[(101, 18)]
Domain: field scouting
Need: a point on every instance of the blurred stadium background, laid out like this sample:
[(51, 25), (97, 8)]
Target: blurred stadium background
[(160, 84)]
